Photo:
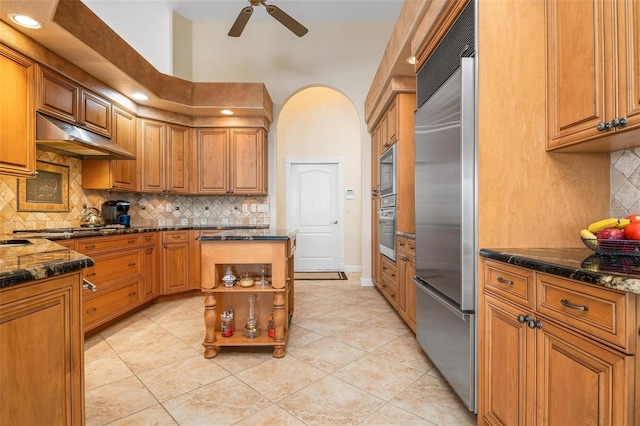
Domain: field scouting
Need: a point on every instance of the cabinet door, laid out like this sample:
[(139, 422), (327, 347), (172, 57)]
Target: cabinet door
[(579, 382), (17, 139), (151, 155), (95, 113), (212, 152), (506, 366), (151, 274), (41, 368), (580, 69), (248, 165), (177, 159), (57, 96), (124, 134), (629, 57), (384, 129), (392, 123), (175, 267)]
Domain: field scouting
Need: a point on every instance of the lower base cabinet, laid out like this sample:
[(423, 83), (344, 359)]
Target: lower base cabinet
[(406, 290), (180, 261), (41, 355), (536, 367)]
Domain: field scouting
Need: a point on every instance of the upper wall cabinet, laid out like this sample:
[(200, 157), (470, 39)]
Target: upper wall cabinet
[(231, 161), (117, 175), (593, 79), (163, 157), (17, 140), (64, 99)]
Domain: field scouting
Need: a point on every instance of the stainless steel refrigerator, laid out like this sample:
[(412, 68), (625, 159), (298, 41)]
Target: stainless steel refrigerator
[(446, 240)]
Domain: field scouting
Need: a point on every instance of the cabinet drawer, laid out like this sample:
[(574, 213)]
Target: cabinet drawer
[(407, 245), (95, 244), (511, 282), (112, 266), (175, 236), (389, 288), (388, 269), (149, 238), (110, 304), (600, 313)]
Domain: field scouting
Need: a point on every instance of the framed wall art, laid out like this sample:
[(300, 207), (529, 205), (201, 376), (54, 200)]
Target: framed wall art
[(47, 192)]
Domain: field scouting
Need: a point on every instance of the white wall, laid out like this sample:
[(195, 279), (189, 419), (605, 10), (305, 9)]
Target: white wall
[(145, 25)]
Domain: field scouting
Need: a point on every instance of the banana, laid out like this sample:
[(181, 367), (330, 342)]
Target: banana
[(622, 223), (603, 224), (587, 235)]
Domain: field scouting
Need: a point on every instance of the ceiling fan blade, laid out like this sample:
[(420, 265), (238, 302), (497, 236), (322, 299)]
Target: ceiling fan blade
[(241, 22), (296, 27)]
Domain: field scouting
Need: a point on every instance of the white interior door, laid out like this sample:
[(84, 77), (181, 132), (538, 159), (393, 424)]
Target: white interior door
[(315, 210)]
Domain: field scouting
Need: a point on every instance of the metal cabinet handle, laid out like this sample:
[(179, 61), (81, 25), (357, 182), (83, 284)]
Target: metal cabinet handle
[(132, 264), (534, 324), (604, 127), (133, 293), (503, 281), (92, 310), (89, 285), (524, 318), (566, 303)]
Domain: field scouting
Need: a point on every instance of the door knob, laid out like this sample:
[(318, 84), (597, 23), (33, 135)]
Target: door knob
[(335, 222)]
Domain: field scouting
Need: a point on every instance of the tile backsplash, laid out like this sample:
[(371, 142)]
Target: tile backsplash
[(145, 210), (625, 182)]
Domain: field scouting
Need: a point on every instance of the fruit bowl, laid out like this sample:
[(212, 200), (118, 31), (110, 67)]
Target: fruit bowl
[(613, 247)]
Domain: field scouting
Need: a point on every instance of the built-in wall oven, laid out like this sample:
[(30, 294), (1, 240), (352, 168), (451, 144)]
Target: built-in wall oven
[(388, 172), (387, 221)]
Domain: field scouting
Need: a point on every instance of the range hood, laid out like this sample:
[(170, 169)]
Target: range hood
[(66, 139)]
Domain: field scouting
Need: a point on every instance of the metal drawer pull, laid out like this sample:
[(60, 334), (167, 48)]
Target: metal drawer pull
[(566, 303), (132, 264), (92, 310), (503, 281), (93, 274), (89, 285), (133, 293), (522, 318)]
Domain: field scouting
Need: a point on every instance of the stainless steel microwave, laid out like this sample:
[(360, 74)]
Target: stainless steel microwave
[(388, 172)]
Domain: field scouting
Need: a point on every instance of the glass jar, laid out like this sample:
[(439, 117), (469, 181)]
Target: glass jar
[(252, 330)]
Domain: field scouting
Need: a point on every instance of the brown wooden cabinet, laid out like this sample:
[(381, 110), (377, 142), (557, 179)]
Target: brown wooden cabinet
[(163, 157), (554, 351), (593, 74), (150, 256), (388, 285), (406, 290), (62, 98), (117, 175), (231, 161), (41, 361), (175, 261), (17, 125), (117, 274)]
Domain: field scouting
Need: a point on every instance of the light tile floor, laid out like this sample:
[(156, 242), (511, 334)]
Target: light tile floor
[(350, 360)]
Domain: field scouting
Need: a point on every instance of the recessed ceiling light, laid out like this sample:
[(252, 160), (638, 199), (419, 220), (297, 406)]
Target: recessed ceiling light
[(411, 60), (25, 21), (226, 112), (140, 96)]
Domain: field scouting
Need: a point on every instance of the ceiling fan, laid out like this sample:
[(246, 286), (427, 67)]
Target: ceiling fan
[(241, 21)]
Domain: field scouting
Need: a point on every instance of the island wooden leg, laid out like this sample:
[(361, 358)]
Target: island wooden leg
[(210, 349), (278, 319)]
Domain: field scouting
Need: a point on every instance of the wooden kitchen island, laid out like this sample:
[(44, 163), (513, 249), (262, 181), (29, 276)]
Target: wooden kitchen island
[(247, 251)]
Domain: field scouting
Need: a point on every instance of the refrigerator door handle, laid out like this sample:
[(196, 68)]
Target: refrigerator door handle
[(444, 302)]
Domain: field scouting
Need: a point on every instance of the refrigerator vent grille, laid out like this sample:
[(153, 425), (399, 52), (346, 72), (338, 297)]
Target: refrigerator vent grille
[(458, 42)]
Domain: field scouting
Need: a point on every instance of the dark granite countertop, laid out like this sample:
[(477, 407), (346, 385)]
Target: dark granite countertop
[(36, 259), (71, 233), (250, 234), (616, 272)]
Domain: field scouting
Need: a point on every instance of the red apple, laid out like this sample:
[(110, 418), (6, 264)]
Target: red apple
[(634, 217), (611, 234)]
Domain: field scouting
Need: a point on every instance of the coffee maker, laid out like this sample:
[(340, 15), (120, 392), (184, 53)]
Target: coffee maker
[(113, 209)]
